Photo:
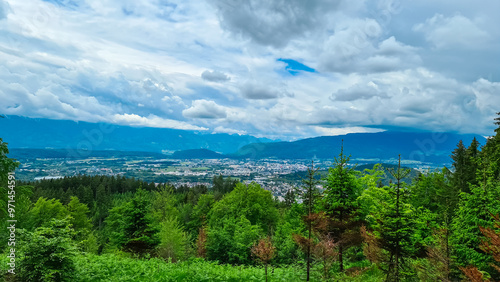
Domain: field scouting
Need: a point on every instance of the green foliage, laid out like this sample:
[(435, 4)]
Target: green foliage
[(43, 211), (6, 164), (290, 223), (163, 203), (232, 243), (342, 189), (474, 210), (434, 192), (48, 253), (112, 268), (250, 201), (130, 225), (340, 203), (79, 215), (200, 211), (174, 241)]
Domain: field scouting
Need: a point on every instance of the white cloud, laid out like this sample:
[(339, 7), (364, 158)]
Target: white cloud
[(452, 32), (204, 109)]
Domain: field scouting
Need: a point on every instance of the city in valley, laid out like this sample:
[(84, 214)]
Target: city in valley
[(275, 175)]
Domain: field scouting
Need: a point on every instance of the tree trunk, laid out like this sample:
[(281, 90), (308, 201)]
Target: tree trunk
[(266, 271)]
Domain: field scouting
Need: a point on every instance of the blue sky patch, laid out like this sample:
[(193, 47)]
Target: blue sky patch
[(294, 67)]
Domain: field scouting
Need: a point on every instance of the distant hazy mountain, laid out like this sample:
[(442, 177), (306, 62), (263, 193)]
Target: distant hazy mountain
[(421, 146), (21, 132), (197, 154), (23, 153)]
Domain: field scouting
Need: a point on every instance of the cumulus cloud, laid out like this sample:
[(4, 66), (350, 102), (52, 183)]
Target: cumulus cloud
[(358, 47), (204, 109), (215, 76), (451, 32)]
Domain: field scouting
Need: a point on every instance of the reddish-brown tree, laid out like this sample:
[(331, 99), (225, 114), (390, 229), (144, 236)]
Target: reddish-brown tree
[(201, 243), (264, 251), (326, 252), (491, 244)]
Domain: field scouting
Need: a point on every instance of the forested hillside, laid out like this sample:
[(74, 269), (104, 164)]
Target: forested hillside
[(440, 226)]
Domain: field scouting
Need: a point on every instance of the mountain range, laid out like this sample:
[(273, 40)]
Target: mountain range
[(22, 132), (25, 134)]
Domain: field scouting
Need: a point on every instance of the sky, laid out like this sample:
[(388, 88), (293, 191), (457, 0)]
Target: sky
[(277, 69)]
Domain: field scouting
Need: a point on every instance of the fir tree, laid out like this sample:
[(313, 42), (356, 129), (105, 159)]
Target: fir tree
[(309, 197), (396, 229), (340, 204), (459, 178)]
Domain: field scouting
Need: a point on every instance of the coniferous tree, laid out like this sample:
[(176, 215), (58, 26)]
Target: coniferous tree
[(475, 210), (490, 154), (341, 206), (396, 229), (309, 196), (491, 243), (130, 225), (473, 161), (460, 161)]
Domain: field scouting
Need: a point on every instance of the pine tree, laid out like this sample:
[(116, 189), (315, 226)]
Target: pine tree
[(130, 225), (396, 230), (490, 153), (491, 244), (473, 161), (309, 197), (459, 178), (340, 204)]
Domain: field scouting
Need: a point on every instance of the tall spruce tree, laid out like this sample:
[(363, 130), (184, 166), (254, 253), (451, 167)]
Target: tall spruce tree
[(309, 197), (460, 163), (341, 206), (130, 225), (473, 162), (396, 230), (490, 154)]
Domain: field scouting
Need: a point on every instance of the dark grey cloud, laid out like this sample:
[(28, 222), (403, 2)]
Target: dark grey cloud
[(273, 23), (263, 91), (215, 76)]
